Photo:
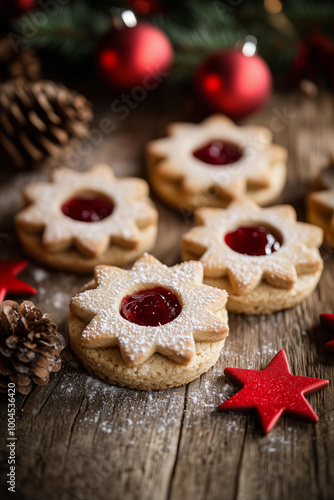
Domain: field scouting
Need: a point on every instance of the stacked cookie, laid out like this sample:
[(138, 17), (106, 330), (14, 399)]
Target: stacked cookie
[(320, 203), (82, 219), (214, 163), (152, 327), (263, 258)]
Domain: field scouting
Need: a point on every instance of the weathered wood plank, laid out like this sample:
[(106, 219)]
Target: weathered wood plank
[(81, 438), (226, 456)]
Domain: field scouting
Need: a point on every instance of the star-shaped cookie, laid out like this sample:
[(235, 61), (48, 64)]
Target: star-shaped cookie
[(182, 179), (106, 327), (321, 212), (320, 203), (297, 255), (52, 237)]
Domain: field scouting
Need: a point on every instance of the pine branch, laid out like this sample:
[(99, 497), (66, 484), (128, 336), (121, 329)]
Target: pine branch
[(195, 28), (207, 29), (72, 31), (308, 15)]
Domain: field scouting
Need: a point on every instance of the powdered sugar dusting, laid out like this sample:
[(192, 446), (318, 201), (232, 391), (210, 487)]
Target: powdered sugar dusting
[(137, 342), (39, 275), (116, 410), (254, 163), (132, 210), (279, 269)]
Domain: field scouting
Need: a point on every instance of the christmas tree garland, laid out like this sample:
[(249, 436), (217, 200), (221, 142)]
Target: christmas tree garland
[(290, 34)]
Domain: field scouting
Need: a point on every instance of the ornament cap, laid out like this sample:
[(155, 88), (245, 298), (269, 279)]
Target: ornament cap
[(249, 46), (122, 18)]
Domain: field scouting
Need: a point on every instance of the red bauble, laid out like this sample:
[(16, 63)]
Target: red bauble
[(144, 7), (232, 83), (141, 55), (16, 8), (314, 60)]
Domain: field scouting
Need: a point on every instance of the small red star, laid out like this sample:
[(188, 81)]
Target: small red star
[(327, 320), (9, 282), (273, 391)]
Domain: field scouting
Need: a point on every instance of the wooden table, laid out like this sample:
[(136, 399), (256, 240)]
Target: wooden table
[(80, 438)]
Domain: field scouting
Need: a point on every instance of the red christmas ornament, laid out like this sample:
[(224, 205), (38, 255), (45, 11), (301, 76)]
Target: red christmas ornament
[(15, 8), (314, 60), (129, 57), (232, 83), (145, 7), (10, 283), (273, 391), (327, 320)]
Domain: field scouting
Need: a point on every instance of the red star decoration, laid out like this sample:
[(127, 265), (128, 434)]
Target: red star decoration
[(10, 283), (327, 320), (273, 391)]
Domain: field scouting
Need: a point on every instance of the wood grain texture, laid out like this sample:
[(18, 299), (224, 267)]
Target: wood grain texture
[(79, 438)]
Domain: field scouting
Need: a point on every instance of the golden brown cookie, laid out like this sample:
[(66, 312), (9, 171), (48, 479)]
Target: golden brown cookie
[(264, 259), (320, 204), (215, 162), (151, 327), (325, 178), (82, 219)]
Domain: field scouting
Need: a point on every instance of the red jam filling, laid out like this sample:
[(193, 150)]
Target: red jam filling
[(88, 208), (151, 307), (218, 153), (254, 240)]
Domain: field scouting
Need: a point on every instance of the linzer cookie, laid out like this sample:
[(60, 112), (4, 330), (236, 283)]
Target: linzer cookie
[(263, 258), (215, 162), (320, 204), (151, 327), (81, 219)]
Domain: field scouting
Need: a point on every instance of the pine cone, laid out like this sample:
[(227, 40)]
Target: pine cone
[(39, 120), (29, 346), (23, 64)]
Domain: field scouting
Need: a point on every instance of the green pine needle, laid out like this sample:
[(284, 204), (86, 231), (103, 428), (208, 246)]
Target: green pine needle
[(71, 31)]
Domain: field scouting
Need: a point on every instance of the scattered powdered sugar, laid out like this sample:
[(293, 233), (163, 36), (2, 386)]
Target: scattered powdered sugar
[(40, 275), (117, 409), (58, 300), (54, 291), (267, 349)]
